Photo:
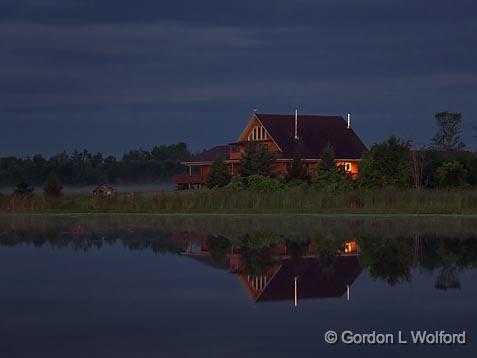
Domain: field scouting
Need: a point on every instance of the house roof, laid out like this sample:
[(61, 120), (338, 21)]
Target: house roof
[(314, 132), (103, 187), (210, 155), (313, 280)]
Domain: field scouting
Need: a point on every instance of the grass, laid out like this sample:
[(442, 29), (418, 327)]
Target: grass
[(294, 200)]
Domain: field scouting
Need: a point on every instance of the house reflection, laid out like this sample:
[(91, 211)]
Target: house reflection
[(283, 271)]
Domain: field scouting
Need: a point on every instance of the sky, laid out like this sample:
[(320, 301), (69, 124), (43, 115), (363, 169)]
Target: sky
[(111, 75)]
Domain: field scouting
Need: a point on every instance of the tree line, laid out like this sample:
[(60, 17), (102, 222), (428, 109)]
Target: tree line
[(83, 167)]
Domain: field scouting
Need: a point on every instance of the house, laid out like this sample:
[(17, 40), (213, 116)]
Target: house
[(103, 190), (284, 135)]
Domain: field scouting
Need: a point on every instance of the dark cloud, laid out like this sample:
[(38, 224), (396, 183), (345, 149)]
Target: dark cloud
[(111, 75)]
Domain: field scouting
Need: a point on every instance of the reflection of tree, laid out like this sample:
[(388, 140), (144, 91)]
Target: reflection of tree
[(257, 261), (447, 279), (389, 259), (327, 249), (218, 247)]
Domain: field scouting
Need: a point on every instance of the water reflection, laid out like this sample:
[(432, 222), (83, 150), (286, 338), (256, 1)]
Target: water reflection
[(287, 270), (325, 255)]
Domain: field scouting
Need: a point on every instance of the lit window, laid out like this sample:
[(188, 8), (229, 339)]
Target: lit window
[(345, 165), (258, 133)]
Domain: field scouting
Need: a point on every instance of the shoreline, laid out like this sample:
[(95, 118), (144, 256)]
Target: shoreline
[(264, 214)]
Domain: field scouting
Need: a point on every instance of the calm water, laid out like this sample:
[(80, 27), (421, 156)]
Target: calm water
[(180, 286)]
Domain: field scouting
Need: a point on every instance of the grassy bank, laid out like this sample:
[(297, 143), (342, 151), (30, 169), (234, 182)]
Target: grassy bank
[(294, 200)]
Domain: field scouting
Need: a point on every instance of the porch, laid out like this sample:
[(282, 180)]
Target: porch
[(188, 181)]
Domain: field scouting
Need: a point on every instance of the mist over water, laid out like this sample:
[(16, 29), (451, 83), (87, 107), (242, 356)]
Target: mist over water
[(166, 185)]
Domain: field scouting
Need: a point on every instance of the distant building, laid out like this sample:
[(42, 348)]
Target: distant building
[(103, 190), (284, 135)]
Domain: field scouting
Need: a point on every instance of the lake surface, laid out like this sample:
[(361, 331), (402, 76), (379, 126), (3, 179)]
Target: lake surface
[(235, 286)]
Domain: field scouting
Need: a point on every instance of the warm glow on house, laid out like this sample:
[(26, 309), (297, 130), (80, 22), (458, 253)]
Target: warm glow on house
[(284, 135)]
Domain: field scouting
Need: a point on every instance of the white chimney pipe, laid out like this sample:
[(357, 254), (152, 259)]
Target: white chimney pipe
[(296, 123), (349, 120)]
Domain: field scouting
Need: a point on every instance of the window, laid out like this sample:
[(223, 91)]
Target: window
[(345, 165), (258, 133)]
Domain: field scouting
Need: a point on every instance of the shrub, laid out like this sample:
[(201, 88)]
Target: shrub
[(297, 171), (262, 183), (257, 160), (24, 189), (218, 175), (386, 164), (452, 174), (236, 184), (52, 188)]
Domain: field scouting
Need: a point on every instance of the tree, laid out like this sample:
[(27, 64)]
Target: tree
[(386, 163), (52, 188), (451, 174), (417, 168), (24, 189), (257, 160), (448, 136), (330, 177), (218, 175), (328, 161), (297, 169)]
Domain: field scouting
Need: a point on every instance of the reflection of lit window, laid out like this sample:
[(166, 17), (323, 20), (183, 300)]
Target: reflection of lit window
[(258, 133), (347, 166), (348, 247)]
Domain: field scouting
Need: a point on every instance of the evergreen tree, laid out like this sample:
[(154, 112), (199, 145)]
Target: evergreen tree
[(329, 177), (218, 175), (297, 169), (328, 161), (52, 188), (257, 160)]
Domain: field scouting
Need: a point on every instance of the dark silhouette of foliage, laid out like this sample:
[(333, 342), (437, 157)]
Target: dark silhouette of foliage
[(218, 175), (218, 247), (330, 177), (297, 170), (24, 189), (257, 160), (328, 160), (386, 164), (52, 188), (83, 167), (448, 136), (451, 174)]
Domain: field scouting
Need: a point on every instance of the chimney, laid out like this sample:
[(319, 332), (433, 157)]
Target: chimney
[(349, 120), (296, 124)]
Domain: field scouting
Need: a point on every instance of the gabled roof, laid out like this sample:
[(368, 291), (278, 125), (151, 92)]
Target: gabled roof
[(313, 280), (314, 132), (210, 155)]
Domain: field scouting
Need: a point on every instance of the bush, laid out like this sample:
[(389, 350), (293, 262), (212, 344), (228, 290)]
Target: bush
[(52, 188), (236, 184), (218, 175), (297, 171), (333, 181), (452, 174), (24, 189), (386, 164), (262, 183), (257, 160)]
